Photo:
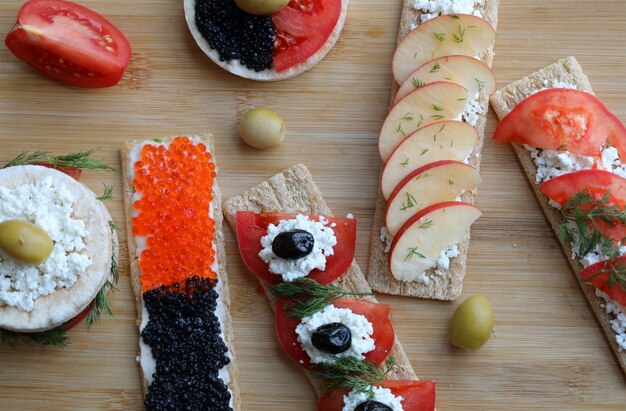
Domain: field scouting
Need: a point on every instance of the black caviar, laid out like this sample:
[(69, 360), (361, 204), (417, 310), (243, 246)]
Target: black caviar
[(184, 335), (236, 34)]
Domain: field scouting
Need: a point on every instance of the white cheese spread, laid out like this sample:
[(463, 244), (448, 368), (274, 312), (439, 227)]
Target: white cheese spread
[(51, 208), (382, 395), (435, 8), (619, 322), (443, 263), (550, 163), (360, 328), (473, 110), (386, 238), (290, 270)]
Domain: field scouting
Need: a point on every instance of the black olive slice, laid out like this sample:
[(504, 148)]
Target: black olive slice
[(333, 338), (293, 245), (372, 405)]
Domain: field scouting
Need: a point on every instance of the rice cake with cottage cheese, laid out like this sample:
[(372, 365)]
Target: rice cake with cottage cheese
[(564, 73), (64, 303), (294, 192), (448, 285)]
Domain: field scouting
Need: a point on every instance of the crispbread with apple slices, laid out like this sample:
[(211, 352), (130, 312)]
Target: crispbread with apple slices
[(291, 192), (566, 71), (449, 285), (235, 67), (135, 272), (63, 304)]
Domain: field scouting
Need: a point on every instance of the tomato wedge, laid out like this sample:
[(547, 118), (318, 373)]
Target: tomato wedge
[(302, 28), (377, 314), (562, 118), (251, 227), (69, 43), (599, 275), (76, 320), (416, 396), (595, 182)]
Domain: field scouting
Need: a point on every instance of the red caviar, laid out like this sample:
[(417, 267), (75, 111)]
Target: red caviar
[(176, 187)]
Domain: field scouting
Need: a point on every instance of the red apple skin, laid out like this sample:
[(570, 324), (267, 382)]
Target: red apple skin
[(420, 215), (417, 172), (398, 102)]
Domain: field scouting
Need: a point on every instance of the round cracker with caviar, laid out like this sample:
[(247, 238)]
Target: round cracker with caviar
[(63, 304), (235, 66)]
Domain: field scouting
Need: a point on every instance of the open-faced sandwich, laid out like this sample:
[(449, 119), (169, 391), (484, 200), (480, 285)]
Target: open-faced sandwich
[(58, 247), (178, 274), (430, 144), (327, 320), (266, 39), (572, 149)]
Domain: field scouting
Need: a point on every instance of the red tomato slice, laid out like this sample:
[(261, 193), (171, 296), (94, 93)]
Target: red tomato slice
[(75, 173), (302, 28), (378, 314), (595, 182), (416, 395), (69, 43), (554, 118), (598, 275), (251, 227)]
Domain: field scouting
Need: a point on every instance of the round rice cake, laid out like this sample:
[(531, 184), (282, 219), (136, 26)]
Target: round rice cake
[(235, 67), (63, 304)]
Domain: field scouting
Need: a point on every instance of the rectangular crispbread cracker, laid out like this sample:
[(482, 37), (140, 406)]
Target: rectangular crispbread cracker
[(293, 191), (135, 272), (503, 101), (450, 285)]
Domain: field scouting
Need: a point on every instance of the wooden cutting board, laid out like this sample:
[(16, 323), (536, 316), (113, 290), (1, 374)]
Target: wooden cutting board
[(547, 351)]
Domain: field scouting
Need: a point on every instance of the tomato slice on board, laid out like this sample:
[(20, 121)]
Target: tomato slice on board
[(73, 172), (76, 320), (302, 28), (599, 275), (555, 118), (377, 314), (416, 395), (251, 227), (69, 43), (597, 183)]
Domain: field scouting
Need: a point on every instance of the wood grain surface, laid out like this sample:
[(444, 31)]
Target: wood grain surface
[(547, 351)]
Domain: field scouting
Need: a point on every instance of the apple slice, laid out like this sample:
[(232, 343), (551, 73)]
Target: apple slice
[(426, 105), (445, 35), (436, 182), (467, 71), (418, 244), (444, 140)]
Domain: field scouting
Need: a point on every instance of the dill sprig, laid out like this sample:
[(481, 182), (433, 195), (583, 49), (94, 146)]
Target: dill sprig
[(308, 296), (55, 337), (354, 374), (81, 160), (107, 193), (101, 304), (581, 215)]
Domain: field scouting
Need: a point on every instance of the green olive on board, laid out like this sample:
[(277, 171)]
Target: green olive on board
[(24, 242), (261, 7), (262, 128), (472, 323)]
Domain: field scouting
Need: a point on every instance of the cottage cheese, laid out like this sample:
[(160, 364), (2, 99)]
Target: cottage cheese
[(619, 322), (473, 110), (435, 8), (50, 207), (443, 263), (382, 395), (360, 328), (291, 270), (386, 238), (550, 163)]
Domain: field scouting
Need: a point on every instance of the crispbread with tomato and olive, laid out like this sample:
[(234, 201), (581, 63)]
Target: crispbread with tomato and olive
[(570, 147), (327, 320), (58, 248), (266, 46), (430, 144), (178, 274)]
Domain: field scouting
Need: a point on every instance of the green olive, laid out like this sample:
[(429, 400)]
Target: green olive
[(472, 323), (24, 242), (262, 128), (261, 7)]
